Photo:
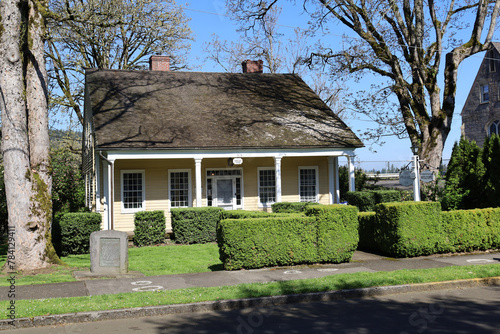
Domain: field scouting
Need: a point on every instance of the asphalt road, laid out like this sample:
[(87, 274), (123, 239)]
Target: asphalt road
[(472, 310)]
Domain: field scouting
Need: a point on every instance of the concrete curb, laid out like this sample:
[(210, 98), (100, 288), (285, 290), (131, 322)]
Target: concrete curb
[(233, 304)]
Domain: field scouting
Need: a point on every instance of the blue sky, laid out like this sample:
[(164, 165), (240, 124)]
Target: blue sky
[(207, 18)]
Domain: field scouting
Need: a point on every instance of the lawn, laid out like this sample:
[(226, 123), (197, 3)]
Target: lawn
[(151, 261), (177, 259), (38, 307)]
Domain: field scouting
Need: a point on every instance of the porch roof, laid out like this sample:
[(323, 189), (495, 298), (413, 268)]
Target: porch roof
[(195, 110)]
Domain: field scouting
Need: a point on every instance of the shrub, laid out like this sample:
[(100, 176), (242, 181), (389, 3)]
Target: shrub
[(409, 229), (291, 207), (243, 214), (491, 161), (464, 188), (360, 180), (68, 187), (387, 196), (195, 225), (338, 234), (367, 221), (366, 200), (71, 232), (468, 230), (328, 234), (149, 228), (247, 243)]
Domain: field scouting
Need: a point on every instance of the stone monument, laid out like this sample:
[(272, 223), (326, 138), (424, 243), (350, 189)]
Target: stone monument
[(109, 252)]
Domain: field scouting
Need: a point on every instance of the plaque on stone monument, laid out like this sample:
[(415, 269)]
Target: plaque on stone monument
[(109, 252)]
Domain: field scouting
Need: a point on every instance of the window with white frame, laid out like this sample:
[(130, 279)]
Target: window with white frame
[(267, 186), (494, 128), (133, 195), (180, 188), (308, 184), (485, 93)]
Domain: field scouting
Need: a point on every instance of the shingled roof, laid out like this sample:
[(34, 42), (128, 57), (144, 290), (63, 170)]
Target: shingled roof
[(195, 110)]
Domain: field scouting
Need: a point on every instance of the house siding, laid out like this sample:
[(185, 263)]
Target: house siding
[(156, 174)]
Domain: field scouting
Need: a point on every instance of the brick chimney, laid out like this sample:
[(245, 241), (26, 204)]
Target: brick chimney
[(159, 63), (252, 66)]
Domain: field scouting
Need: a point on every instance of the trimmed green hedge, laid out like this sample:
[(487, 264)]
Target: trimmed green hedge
[(414, 229), (406, 229), (366, 200), (291, 207), (265, 242), (328, 234), (387, 196), (367, 221), (195, 225), (468, 230), (71, 232), (338, 235), (149, 228), (243, 214)]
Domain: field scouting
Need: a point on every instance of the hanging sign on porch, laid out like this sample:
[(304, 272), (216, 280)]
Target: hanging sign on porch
[(427, 176), (405, 178)]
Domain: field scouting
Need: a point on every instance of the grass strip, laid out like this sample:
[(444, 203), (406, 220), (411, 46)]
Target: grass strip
[(32, 308), (151, 261)]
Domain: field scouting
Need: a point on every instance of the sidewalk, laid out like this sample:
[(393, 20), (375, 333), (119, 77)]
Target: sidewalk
[(361, 261)]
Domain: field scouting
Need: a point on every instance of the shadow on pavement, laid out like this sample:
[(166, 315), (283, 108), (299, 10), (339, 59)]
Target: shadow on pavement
[(445, 311)]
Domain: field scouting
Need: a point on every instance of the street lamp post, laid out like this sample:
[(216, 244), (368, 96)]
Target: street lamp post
[(416, 171)]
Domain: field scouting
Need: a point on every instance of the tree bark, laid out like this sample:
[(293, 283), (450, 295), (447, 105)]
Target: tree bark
[(25, 141)]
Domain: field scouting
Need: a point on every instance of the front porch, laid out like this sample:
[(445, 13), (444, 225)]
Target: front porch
[(248, 180)]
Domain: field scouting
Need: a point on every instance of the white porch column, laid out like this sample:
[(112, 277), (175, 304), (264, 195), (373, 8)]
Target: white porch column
[(333, 177), (197, 164), (105, 198), (97, 183), (111, 173), (277, 174), (350, 162)]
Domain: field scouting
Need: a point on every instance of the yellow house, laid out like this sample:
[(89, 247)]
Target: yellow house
[(159, 139)]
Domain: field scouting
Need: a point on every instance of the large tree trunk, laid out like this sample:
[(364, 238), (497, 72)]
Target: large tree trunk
[(25, 142)]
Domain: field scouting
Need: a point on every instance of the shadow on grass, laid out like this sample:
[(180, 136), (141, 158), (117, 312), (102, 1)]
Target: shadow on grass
[(216, 267)]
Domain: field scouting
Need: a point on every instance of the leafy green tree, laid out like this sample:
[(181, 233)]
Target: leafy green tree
[(464, 187), (68, 191), (359, 176), (491, 161)]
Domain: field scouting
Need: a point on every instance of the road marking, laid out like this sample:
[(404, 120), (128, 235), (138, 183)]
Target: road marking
[(327, 269), (148, 288), (292, 272), (479, 261), (141, 283)]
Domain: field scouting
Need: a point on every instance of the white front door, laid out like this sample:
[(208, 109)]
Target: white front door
[(225, 188), (225, 195)]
